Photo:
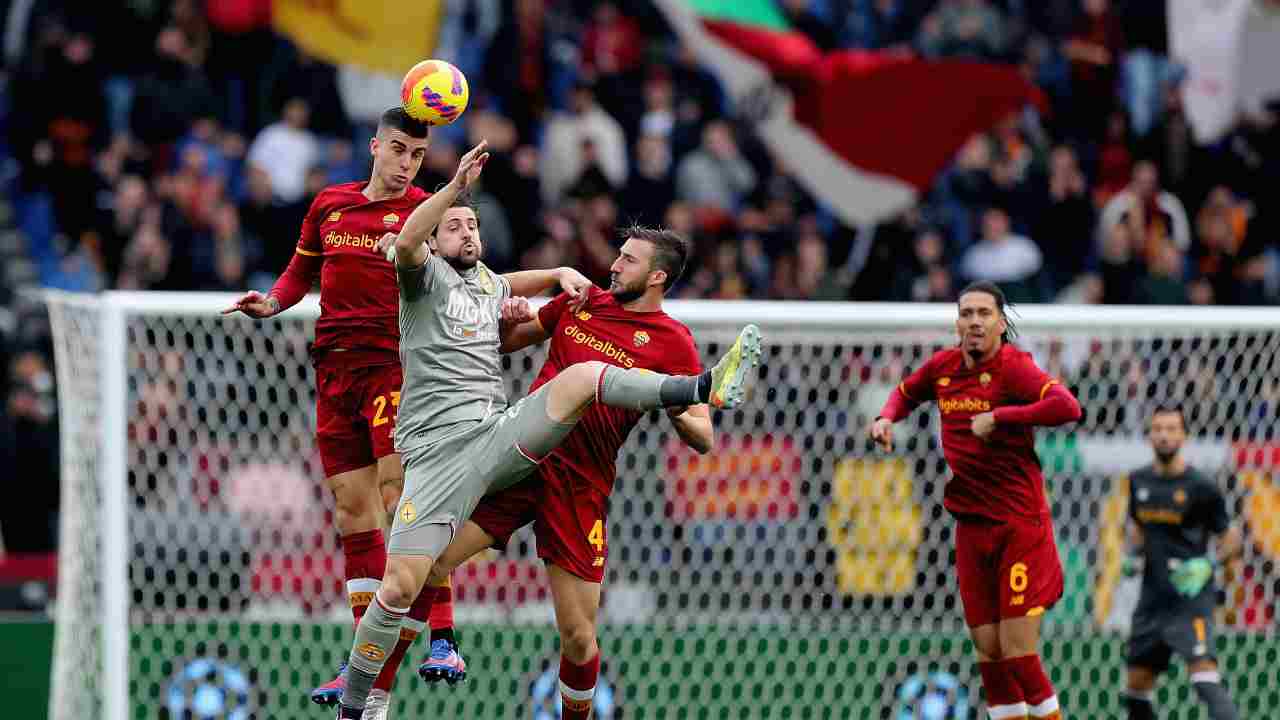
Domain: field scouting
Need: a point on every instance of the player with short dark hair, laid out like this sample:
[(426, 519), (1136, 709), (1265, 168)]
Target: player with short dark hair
[(567, 499), (991, 396), (357, 364), (458, 437), (1174, 512)]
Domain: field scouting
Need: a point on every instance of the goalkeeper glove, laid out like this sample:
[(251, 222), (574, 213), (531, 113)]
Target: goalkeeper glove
[(1191, 575)]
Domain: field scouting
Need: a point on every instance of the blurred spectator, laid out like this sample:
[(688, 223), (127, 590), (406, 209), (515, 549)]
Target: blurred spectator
[(1065, 223), (171, 96), (566, 136), (611, 42), (1002, 257), (517, 69), (286, 150), (29, 448), (715, 175), (1094, 49), (649, 191), (1152, 214), (1163, 284), (963, 28), (1228, 258), (1146, 65)]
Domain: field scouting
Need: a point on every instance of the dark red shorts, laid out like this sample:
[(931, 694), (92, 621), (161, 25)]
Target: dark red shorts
[(569, 516), (355, 412), (1007, 569)]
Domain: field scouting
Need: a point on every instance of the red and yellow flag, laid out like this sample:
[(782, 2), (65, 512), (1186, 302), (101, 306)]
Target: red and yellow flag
[(380, 35)]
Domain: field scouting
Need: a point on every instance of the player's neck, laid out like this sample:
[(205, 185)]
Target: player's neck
[(375, 190), (645, 303), (1173, 468)]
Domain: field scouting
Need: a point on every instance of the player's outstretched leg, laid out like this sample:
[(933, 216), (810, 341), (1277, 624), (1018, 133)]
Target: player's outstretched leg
[(723, 386), (1208, 684), (1020, 650)]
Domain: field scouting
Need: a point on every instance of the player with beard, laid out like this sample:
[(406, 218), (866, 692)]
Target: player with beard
[(357, 364), (1174, 512), (458, 438), (991, 395), (567, 499)]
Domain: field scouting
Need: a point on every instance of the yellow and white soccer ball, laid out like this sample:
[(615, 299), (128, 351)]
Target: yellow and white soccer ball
[(434, 92)]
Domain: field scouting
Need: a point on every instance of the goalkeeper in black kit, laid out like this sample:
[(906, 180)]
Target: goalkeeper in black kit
[(1174, 511)]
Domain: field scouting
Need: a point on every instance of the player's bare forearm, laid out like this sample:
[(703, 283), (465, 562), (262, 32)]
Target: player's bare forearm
[(535, 282), (1134, 537), (1058, 407), (518, 336), (695, 429), (411, 244)]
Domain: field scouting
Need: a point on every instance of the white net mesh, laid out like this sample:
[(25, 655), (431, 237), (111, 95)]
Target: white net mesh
[(793, 573)]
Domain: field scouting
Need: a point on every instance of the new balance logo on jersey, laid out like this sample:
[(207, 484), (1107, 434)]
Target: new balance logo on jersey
[(604, 347), (965, 404)]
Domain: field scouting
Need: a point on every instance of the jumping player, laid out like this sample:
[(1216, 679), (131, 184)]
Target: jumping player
[(991, 395), (567, 499), (357, 363), (1174, 512), (458, 438)]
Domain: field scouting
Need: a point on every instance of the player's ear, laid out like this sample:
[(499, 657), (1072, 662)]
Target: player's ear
[(373, 146), (657, 277)]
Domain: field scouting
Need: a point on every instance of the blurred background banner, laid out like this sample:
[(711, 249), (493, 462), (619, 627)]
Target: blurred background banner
[(382, 35)]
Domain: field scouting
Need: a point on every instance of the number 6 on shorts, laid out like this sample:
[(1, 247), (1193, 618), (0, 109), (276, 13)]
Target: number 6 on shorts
[(1018, 577)]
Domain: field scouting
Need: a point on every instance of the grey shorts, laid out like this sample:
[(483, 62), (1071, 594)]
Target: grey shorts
[(445, 479)]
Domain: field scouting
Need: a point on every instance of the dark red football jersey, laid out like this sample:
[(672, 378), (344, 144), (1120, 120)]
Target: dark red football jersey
[(603, 330), (359, 300), (1000, 477)]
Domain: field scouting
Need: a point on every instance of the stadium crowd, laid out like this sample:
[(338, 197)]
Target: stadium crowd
[(172, 146)]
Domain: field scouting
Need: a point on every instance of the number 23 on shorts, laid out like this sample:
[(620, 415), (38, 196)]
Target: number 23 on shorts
[(380, 416)]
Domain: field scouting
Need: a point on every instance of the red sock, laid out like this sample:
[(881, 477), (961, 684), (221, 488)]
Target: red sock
[(578, 687), (1004, 694), (441, 617), (1042, 702), (365, 558), (413, 625)]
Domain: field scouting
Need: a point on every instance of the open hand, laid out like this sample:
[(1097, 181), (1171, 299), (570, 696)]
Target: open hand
[(471, 164)]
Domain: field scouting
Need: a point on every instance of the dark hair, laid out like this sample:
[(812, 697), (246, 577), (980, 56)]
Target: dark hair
[(1002, 304), (463, 200), (1169, 409), (397, 119), (670, 250)]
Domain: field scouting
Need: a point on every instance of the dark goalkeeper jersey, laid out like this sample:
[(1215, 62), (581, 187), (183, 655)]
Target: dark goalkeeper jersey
[(1178, 516)]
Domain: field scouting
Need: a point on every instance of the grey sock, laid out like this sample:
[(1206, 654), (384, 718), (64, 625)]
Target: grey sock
[(1215, 697), (376, 637), (1139, 706), (640, 390)]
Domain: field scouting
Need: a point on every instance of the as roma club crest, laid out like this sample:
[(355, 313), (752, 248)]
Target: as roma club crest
[(985, 379), (641, 338), (390, 219)]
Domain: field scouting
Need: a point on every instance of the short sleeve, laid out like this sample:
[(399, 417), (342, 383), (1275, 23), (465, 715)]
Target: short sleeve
[(1216, 518), (918, 386), (549, 314), (684, 357), (1025, 381), (309, 237)]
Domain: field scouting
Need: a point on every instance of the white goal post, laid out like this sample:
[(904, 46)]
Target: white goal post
[(171, 415)]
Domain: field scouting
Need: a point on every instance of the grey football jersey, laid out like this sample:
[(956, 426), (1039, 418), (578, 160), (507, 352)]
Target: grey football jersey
[(448, 347)]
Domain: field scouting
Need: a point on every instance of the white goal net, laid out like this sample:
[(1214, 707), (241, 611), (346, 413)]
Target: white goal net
[(794, 573)]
